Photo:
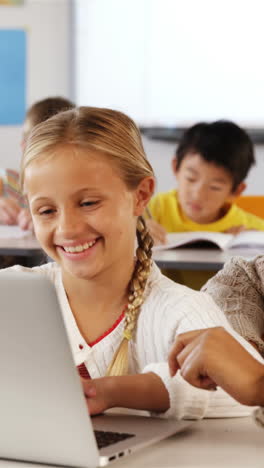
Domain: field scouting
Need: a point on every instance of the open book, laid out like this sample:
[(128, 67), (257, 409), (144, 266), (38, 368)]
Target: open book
[(246, 239)]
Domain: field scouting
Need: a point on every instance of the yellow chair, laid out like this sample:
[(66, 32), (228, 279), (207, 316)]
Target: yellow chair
[(252, 203)]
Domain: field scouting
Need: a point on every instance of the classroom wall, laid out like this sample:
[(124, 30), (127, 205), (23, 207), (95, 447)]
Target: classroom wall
[(50, 72), (48, 27), (160, 155), (172, 62), (166, 71)]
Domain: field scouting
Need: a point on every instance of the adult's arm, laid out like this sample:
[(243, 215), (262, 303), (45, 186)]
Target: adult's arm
[(207, 358), (238, 290)]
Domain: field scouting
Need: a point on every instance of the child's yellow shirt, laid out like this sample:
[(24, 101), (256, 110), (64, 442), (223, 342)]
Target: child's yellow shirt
[(165, 209)]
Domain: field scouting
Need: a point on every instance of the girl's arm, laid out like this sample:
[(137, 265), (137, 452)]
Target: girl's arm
[(139, 391)]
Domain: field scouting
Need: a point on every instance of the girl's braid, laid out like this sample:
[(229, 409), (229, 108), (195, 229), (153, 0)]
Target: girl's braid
[(119, 365), (139, 278)]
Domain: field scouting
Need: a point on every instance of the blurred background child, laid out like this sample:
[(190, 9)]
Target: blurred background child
[(13, 206), (13, 209), (211, 164)]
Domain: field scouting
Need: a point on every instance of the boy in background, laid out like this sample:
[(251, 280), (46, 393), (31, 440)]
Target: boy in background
[(211, 164), (13, 210)]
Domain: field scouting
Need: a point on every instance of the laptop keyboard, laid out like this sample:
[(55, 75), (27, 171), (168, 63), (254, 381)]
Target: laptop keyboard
[(104, 438)]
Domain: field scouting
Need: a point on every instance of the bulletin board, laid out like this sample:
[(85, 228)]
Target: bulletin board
[(12, 76)]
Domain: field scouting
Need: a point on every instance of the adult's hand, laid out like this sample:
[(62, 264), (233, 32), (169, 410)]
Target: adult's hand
[(211, 357)]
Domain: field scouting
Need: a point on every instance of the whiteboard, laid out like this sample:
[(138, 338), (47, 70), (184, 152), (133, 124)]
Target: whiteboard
[(172, 62)]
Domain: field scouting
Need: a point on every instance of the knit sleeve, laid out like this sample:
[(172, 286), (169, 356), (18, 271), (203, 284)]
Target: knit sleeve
[(238, 290), (196, 311)]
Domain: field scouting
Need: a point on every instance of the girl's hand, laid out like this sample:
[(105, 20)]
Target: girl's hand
[(157, 232), (98, 394), (137, 391), (213, 357)]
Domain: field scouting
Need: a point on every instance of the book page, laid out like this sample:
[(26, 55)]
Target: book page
[(13, 232), (248, 239)]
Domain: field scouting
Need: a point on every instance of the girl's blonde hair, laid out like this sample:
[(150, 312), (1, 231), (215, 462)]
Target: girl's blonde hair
[(116, 136)]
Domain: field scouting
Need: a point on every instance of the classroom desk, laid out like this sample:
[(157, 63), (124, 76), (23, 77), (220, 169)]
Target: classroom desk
[(211, 443), (188, 259), (25, 246), (200, 259)]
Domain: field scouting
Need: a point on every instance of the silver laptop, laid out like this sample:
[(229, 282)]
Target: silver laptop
[(43, 413)]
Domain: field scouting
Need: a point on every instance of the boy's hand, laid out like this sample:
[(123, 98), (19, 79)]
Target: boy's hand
[(24, 220), (9, 210), (236, 230), (157, 232), (213, 357)]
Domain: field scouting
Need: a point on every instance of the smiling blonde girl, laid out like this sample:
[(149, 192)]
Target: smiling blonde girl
[(88, 182)]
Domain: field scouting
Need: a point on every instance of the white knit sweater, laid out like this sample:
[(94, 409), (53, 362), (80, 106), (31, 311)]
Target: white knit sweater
[(169, 309)]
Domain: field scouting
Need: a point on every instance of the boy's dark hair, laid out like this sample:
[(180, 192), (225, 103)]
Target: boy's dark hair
[(46, 108), (223, 143)]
